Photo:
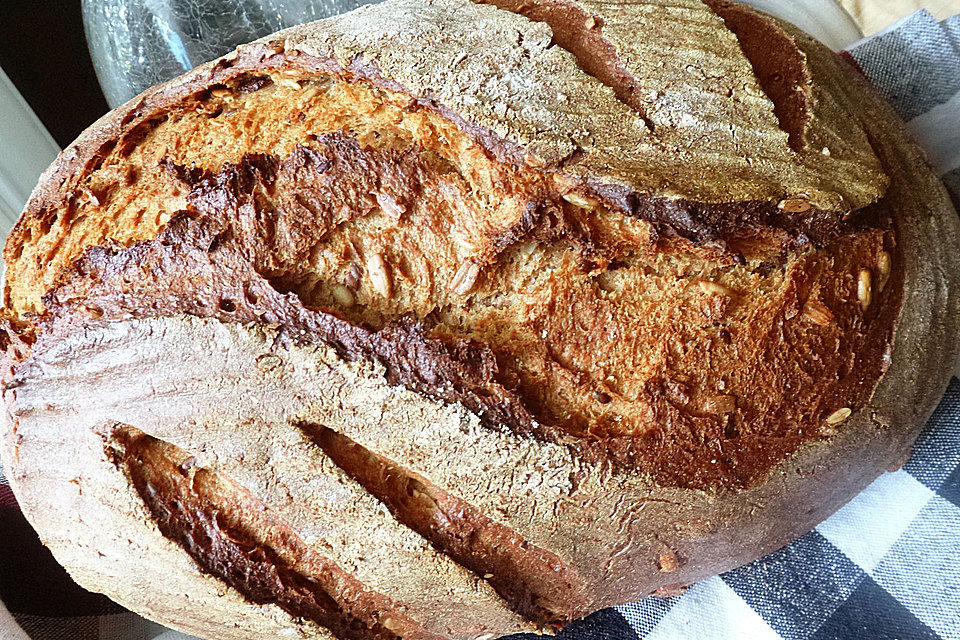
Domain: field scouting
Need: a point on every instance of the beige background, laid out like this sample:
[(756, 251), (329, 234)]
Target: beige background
[(874, 15)]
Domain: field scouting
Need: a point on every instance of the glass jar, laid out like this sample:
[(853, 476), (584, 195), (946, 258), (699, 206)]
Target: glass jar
[(136, 44)]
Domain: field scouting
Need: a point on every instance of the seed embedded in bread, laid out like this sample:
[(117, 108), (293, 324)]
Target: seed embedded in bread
[(817, 312), (838, 416), (465, 278), (343, 295), (391, 624), (352, 278), (287, 82), (579, 200), (883, 268), (864, 289), (389, 205), (269, 361), (794, 205), (379, 273), (715, 288), (883, 264)]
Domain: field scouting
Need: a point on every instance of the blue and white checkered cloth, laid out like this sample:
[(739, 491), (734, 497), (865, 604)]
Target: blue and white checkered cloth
[(885, 566)]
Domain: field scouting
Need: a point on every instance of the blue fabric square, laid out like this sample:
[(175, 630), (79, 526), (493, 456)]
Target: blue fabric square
[(796, 588), (913, 66), (602, 625), (873, 614)]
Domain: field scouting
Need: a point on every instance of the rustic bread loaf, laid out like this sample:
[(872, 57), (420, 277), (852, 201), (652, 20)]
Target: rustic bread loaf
[(440, 319)]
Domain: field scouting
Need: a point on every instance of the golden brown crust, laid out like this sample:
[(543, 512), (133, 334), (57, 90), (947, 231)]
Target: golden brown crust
[(680, 385), (631, 323), (691, 165)]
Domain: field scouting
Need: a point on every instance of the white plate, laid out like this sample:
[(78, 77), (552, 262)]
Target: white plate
[(26, 149), (823, 19)]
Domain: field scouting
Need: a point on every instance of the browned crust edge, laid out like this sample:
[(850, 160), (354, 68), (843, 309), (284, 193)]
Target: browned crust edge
[(706, 223), (832, 472)]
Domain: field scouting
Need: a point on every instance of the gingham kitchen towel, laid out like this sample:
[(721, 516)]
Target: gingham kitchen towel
[(885, 566)]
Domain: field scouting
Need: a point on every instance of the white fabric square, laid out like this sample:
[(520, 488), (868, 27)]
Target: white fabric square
[(711, 609), (870, 524)]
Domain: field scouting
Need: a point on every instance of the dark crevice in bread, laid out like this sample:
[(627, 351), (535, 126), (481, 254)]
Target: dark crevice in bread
[(779, 64), (17, 338), (237, 539), (286, 212), (720, 224), (582, 35), (148, 280), (538, 584), (251, 225)]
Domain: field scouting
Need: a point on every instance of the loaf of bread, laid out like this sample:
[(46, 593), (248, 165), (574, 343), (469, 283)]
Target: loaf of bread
[(443, 319)]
